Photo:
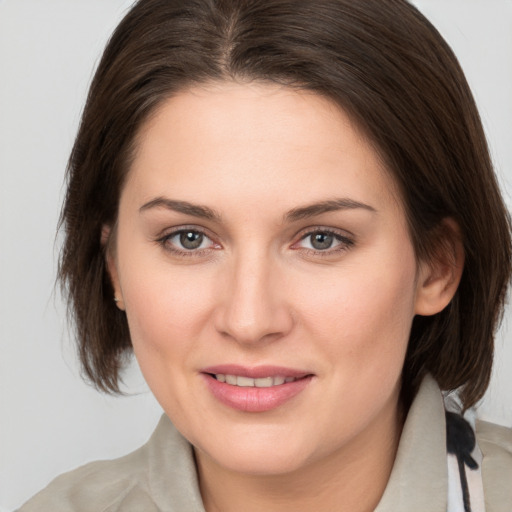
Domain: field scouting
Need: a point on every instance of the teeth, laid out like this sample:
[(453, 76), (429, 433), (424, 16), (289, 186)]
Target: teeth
[(266, 382), (231, 379), (244, 382), (248, 382)]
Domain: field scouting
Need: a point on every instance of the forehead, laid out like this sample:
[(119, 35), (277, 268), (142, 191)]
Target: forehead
[(263, 138)]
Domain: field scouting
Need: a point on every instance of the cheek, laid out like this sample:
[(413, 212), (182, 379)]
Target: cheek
[(167, 314), (166, 307), (365, 312)]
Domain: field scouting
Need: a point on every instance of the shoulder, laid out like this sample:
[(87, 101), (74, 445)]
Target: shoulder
[(495, 442), (103, 486), (159, 475)]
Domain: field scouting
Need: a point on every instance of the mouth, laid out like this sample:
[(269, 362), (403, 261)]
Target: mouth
[(259, 389)]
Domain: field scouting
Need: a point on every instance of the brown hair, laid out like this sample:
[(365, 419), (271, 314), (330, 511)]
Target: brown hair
[(386, 66)]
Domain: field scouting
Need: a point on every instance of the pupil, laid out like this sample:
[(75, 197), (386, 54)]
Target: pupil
[(322, 241), (191, 239)]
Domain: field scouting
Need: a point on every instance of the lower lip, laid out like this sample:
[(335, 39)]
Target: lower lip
[(253, 399)]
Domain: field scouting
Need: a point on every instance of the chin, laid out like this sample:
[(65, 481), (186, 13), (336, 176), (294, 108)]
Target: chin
[(260, 455), (263, 464)]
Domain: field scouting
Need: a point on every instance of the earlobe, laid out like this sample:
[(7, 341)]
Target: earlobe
[(110, 262), (439, 279)]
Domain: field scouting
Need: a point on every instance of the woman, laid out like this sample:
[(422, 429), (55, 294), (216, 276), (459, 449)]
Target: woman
[(287, 210)]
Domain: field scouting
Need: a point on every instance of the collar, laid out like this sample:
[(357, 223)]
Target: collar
[(420, 474)]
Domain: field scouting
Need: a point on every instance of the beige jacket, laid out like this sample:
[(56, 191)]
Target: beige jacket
[(160, 476)]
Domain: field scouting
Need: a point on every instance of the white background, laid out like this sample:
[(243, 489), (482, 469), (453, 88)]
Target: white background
[(50, 421)]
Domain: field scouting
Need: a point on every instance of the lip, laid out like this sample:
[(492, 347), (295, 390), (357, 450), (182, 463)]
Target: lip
[(254, 399), (256, 372)]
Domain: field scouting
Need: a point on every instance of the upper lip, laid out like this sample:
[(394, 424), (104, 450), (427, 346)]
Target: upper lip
[(255, 372)]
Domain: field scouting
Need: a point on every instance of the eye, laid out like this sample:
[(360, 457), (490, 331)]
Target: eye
[(324, 241), (187, 241)]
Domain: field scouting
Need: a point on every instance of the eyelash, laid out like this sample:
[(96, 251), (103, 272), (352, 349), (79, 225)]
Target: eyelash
[(344, 242)]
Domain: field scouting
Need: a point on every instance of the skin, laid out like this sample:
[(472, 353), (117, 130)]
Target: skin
[(258, 292)]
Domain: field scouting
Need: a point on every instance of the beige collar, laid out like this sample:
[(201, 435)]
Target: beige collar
[(420, 475)]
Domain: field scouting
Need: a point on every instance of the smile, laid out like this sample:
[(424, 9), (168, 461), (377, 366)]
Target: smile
[(248, 382), (255, 389)]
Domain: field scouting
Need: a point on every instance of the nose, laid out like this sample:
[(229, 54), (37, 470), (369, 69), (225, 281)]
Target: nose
[(253, 308)]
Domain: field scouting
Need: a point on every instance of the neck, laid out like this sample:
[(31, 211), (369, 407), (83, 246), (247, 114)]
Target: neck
[(352, 478)]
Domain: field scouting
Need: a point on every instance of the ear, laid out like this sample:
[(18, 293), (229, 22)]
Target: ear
[(107, 243), (439, 278)]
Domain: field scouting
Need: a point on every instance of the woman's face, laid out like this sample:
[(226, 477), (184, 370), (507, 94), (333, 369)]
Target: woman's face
[(261, 242)]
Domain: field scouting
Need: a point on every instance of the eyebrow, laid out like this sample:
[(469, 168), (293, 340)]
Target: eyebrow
[(331, 205), (300, 213), (185, 207)]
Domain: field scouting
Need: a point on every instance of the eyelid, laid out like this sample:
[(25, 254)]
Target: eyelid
[(309, 230)]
